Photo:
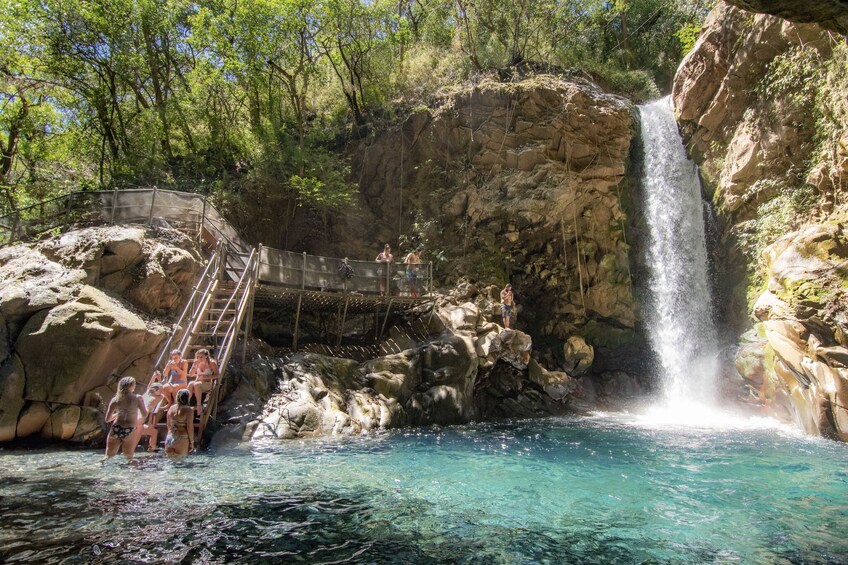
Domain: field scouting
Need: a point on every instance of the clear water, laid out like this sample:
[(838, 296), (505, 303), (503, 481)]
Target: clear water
[(679, 315), (604, 489)]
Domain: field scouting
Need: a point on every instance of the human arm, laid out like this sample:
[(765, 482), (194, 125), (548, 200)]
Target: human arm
[(110, 416), (190, 432), (142, 407)]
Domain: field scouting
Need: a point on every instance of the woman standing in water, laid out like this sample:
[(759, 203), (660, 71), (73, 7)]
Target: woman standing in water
[(123, 413), (180, 438)]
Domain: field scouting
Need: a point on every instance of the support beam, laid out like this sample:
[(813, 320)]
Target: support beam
[(386, 319), (248, 330), (343, 320), (152, 205), (114, 206), (296, 323)]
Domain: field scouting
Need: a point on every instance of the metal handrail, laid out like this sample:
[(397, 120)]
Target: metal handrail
[(211, 265), (226, 348), (245, 273)]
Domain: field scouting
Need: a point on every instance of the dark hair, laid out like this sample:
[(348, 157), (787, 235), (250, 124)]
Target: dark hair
[(183, 397)]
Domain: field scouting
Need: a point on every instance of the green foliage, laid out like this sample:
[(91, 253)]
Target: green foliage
[(688, 36), (774, 218), (255, 100), (794, 74)]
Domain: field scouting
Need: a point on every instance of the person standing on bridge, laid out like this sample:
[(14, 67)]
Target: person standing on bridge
[(384, 259), (413, 264)]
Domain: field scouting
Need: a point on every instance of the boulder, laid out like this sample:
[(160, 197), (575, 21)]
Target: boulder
[(62, 339), (12, 383), (87, 339), (578, 355), (33, 419)]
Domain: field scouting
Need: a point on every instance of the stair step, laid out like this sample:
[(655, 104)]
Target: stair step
[(201, 346)]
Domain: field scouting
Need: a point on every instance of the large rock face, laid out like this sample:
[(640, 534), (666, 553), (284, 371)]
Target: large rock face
[(762, 106), (829, 14), (77, 309), (523, 181)]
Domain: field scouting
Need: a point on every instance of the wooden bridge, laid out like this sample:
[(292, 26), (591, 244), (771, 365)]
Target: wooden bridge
[(238, 277)]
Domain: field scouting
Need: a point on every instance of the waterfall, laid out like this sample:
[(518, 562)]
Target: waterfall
[(679, 313)]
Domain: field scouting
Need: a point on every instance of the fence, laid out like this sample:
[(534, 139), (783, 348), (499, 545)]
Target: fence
[(327, 274), (193, 212)]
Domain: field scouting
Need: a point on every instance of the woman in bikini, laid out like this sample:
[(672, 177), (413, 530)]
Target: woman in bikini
[(180, 439), (205, 372), (123, 413), (176, 377)]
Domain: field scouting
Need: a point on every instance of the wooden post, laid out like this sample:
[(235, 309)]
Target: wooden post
[(388, 279), (203, 221), (386, 319), (222, 258), (248, 330), (152, 204), (344, 319), (303, 273), (114, 206), (430, 277), (297, 322)]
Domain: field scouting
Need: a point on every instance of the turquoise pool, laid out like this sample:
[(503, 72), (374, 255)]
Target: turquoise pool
[(610, 488)]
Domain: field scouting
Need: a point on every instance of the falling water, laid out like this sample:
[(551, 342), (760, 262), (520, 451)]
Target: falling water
[(679, 315)]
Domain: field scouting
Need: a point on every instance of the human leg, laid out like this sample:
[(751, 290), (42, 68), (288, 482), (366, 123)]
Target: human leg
[(113, 444), (130, 442), (201, 387)]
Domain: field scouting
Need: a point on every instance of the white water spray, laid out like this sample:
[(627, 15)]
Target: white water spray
[(679, 316)]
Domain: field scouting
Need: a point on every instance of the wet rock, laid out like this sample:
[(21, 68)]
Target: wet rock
[(579, 356)]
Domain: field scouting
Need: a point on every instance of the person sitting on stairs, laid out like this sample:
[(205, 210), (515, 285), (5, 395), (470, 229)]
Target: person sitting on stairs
[(205, 372), (176, 375)]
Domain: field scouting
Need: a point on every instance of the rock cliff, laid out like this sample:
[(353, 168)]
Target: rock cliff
[(829, 14), (524, 181), (761, 104), (77, 309)]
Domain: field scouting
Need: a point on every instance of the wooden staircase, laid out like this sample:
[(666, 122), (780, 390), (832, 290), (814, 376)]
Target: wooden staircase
[(217, 313)]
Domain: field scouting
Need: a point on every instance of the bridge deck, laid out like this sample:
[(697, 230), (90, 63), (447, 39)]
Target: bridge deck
[(317, 301)]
